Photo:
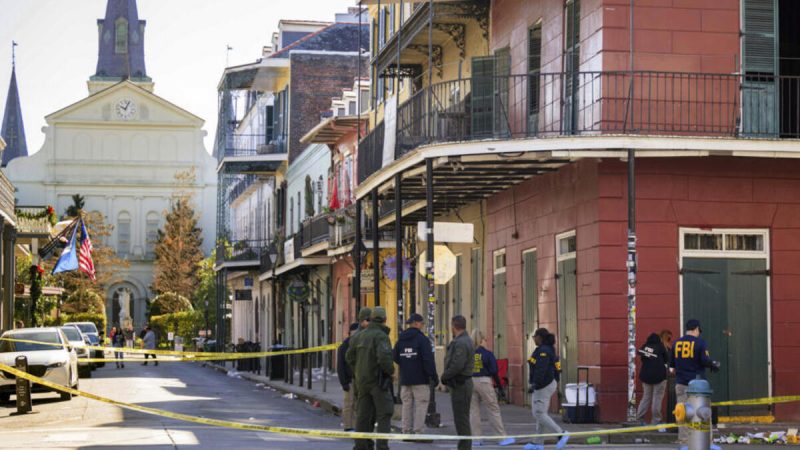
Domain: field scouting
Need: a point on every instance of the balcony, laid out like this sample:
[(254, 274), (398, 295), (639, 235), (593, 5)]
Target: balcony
[(7, 197), (241, 186), (590, 104), (315, 231), (244, 146), (241, 253)]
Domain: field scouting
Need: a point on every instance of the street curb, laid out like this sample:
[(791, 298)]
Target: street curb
[(325, 405)]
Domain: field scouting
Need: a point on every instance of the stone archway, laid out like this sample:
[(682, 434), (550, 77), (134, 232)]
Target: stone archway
[(125, 304)]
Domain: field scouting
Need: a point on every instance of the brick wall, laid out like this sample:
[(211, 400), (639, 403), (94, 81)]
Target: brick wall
[(315, 79)]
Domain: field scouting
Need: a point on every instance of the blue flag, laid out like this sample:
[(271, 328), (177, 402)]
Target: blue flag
[(69, 257)]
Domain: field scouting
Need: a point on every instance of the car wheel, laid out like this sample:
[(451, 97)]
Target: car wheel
[(84, 372)]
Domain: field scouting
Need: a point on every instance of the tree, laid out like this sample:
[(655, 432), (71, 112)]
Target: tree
[(205, 296), (178, 248), (78, 203), (169, 303), (85, 301)]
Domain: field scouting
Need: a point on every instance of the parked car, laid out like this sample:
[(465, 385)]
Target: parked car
[(79, 342), (89, 329), (55, 361)]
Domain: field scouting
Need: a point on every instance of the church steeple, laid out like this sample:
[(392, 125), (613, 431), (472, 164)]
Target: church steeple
[(13, 130), (121, 44)]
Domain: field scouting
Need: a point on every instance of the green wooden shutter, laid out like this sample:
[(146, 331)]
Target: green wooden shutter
[(482, 103), (760, 67), (534, 81), (502, 110), (475, 287), (572, 59)]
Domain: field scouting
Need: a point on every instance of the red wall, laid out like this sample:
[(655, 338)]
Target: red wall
[(590, 196)]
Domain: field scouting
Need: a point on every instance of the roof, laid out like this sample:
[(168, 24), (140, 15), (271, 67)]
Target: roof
[(336, 37), (118, 65), (13, 130), (330, 130)]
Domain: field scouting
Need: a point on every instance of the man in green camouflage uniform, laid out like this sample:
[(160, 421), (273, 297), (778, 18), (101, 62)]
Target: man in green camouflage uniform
[(370, 357), (459, 361)]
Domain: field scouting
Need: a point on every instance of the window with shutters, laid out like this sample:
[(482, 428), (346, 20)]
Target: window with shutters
[(759, 65), (534, 72), (572, 54)]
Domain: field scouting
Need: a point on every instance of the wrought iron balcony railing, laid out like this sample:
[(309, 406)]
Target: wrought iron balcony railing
[(240, 251), (244, 145), (316, 230), (590, 103)]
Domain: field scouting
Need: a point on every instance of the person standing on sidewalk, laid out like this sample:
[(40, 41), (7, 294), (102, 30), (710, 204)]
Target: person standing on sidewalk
[(128, 334), (118, 341), (542, 379), (345, 374), (149, 343), (370, 357), (689, 359), (653, 376), (459, 361), (413, 354), (483, 392)]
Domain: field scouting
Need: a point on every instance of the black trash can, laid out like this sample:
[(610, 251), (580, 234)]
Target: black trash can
[(277, 364)]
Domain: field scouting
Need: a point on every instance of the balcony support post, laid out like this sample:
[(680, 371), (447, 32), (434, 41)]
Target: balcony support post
[(398, 247), (631, 265), (432, 419), (376, 264), (357, 245)]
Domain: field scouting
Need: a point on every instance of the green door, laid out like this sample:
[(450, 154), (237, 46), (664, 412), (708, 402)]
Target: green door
[(482, 99), (500, 328), (530, 298), (568, 320), (729, 298)]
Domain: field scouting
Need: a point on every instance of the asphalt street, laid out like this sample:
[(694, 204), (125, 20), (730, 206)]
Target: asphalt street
[(179, 387)]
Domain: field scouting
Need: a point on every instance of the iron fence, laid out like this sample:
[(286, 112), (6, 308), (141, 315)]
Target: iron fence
[(591, 103), (241, 250), (238, 145), (316, 230)]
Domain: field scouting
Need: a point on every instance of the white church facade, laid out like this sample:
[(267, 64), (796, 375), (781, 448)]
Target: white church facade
[(120, 148)]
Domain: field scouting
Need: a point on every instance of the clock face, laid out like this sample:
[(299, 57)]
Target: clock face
[(126, 109)]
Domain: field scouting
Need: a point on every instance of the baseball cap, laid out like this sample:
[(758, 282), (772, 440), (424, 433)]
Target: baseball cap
[(414, 318), (378, 314), (691, 324), (364, 314)]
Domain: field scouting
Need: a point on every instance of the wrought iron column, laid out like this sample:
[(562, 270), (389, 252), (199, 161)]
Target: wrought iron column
[(376, 267), (432, 419), (631, 263), (398, 247), (357, 245)]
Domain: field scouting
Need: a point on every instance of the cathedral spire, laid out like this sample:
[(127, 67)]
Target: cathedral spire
[(121, 44), (13, 130)]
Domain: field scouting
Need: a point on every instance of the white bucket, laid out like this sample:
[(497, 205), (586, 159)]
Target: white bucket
[(572, 393)]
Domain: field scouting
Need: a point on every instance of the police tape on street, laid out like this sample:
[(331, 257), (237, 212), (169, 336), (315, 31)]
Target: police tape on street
[(189, 356)]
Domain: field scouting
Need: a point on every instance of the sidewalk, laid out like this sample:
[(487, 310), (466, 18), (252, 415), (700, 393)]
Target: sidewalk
[(517, 420)]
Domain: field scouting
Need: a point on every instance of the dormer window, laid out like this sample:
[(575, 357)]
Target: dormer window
[(121, 33)]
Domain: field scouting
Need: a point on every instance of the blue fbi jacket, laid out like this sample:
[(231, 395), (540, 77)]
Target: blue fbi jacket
[(485, 363), (690, 359)]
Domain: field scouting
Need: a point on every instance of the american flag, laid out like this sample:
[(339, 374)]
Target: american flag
[(85, 263)]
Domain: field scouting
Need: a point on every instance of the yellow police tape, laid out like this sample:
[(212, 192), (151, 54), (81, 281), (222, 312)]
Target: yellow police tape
[(330, 434), (193, 356), (760, 401)]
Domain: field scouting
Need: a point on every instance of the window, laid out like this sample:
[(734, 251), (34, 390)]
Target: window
[(299, 212), (121, 33), (123, 234), (572, 60), (351, 108), (534, 71), (695, 241), (364, 100), (269, 124), (499, 261), (567, 245), (291, 216), (151, 231), (339, 112)]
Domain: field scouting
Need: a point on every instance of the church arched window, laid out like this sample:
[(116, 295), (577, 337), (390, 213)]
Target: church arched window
[(121, 33), (123, 234), (151, 230)]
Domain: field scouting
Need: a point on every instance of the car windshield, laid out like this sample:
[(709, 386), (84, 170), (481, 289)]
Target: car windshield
[(72, 333), (87, 327), (38, 336)]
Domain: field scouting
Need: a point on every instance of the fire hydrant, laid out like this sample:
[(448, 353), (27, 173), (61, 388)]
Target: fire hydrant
[(696, 413)]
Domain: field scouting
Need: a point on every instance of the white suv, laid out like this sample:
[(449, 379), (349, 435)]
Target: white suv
[(79, 341), (55, 361)]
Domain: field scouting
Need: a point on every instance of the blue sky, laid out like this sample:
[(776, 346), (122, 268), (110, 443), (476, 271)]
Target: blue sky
[(185, 48)]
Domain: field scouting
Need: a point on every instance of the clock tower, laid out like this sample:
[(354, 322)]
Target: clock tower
[(120, 48)]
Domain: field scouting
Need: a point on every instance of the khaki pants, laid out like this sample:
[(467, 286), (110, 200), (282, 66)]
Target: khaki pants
[(349, 410), (483, 394), (681, 397), (653, 398), (415, 407), (540, 402)]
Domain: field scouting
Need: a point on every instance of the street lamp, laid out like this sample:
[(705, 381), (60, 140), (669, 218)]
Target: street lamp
[(272, 252)]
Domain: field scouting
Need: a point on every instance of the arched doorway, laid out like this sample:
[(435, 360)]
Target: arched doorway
[(125, 306)]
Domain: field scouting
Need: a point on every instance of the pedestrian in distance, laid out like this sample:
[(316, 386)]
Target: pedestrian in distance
[(543, 380), (483, 392), (690, 358), (653, 375), (345, 374), (370, 357), (149, 343), (118, 341), (128, 334), (459, 362), (413, 354)]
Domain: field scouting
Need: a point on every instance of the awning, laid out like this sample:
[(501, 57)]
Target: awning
[(299, 262), (331, 130)]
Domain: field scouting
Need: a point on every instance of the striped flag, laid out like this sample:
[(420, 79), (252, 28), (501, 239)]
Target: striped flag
[(85, 263)]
